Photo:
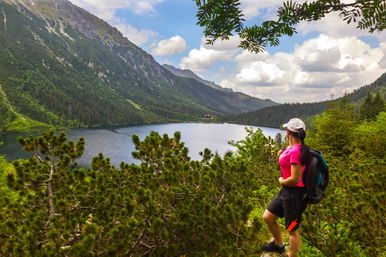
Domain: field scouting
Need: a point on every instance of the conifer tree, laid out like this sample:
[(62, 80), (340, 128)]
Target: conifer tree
[(62, 210), (366, 107), (372, 106), (192, 207), (168, 205), (349, 221), (370, 136), (333, 130), (378, 104), (43, 215)]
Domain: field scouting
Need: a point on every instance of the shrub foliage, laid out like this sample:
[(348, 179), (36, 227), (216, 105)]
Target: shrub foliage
[(170, 205)]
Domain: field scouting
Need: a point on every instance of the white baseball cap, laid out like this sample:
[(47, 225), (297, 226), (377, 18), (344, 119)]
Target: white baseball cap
[(295, 124)]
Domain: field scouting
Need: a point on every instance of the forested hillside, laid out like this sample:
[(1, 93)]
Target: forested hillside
[(275, 115), (61, 65), (170, 205)]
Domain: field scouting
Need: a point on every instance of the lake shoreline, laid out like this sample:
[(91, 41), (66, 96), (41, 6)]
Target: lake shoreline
[(66, 128), (63, 128), (115, 142)]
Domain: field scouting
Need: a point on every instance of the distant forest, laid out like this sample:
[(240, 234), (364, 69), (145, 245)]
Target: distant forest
[(274, 116)]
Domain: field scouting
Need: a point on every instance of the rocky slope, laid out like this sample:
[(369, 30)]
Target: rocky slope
[(192, 75)]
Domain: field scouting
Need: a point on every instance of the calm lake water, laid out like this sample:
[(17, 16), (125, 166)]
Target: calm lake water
[(116, 142)]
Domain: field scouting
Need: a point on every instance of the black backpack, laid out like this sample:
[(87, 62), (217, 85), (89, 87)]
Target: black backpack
[(315, 177)]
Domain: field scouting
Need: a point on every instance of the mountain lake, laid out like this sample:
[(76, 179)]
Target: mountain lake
[(116, 142)]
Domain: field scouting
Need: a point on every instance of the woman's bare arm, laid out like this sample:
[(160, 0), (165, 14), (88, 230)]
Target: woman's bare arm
[(296, 174)]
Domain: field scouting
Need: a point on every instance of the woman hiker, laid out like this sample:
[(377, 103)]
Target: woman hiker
[(289, 202)]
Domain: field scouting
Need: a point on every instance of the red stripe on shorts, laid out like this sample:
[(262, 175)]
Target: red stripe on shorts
[(293, 224)]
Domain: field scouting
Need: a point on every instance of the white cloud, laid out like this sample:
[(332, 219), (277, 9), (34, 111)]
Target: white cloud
[(204, 58), (223, 45), (346, 54), (252, 8), (200, 59), (137, 36), (382, 63), (314, 71), (246, 58), (268, 73), (173, 45)]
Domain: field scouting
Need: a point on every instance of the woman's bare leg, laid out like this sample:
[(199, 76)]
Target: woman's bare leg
[(295, 243), (273, 226)]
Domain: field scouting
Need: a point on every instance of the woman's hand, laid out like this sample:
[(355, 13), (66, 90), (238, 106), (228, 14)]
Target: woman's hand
[(279, 153)]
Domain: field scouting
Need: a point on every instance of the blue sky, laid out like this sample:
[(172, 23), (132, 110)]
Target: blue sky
[(324, 60)]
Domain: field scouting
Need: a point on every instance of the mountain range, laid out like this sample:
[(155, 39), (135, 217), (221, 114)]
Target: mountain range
[(63, 66), (192, 75)]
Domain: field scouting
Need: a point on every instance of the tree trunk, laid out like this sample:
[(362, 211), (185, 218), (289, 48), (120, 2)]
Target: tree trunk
[(50, 192)]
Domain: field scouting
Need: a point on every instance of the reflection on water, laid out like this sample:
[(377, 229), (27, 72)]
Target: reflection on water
[(116, 143)]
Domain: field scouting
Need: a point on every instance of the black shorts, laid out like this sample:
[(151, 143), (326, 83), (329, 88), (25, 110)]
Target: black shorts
[(289, 204)]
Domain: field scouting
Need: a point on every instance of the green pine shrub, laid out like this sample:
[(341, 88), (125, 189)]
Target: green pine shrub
[(170, 205)]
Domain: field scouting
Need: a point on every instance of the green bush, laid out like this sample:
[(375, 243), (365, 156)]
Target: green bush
[(170, 205), (370, 137), (349, 221)]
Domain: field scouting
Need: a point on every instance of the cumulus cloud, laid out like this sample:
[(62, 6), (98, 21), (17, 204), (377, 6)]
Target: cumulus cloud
[(246, 58), (383, 61), (222, 45), (137, 36), (198, 60), (253, 8), (268, 73), (314, 71), (345, 54), (173, 45)]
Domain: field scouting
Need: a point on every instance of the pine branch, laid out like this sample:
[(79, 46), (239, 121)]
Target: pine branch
[(139, 237)]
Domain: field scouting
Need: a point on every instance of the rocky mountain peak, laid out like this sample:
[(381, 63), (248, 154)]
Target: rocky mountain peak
[(190, 74)]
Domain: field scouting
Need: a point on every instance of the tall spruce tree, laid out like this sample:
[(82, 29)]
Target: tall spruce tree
[(372, 106), (333, 130), (378, 104), (366, 106)]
